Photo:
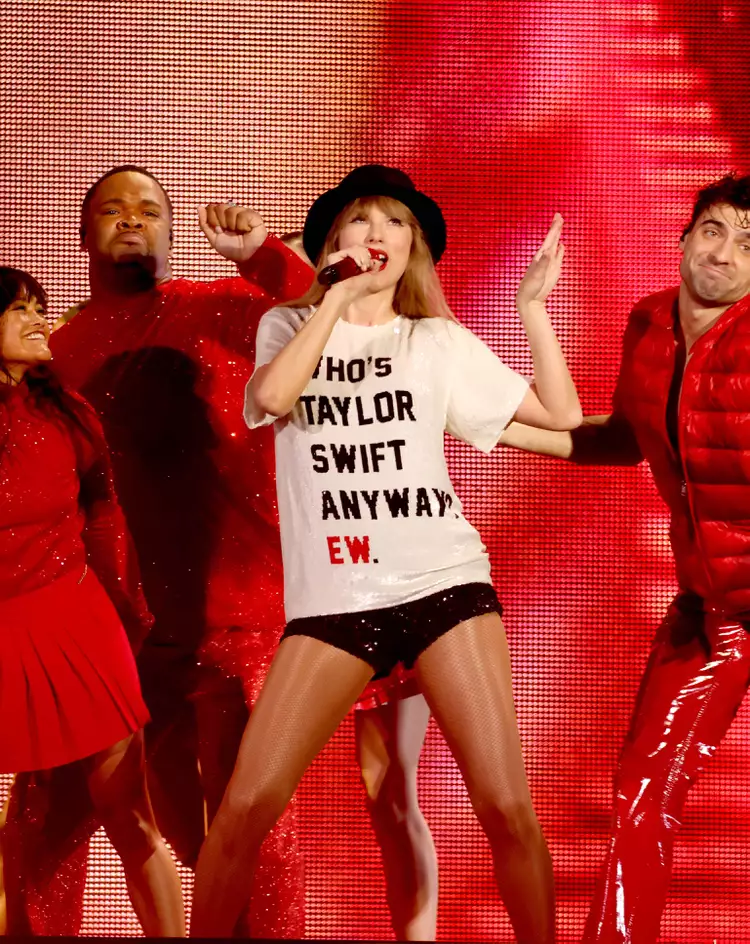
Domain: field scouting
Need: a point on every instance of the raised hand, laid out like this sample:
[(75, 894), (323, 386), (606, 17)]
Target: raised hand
[(234, 232), (544, 271)]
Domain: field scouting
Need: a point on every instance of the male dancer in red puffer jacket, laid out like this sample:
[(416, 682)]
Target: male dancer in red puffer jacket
[(682, 403)]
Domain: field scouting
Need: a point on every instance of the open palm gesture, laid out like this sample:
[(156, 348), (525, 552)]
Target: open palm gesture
[(544, 271)]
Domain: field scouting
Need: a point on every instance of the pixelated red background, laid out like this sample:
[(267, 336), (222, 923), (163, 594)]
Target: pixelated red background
[(506, 111)]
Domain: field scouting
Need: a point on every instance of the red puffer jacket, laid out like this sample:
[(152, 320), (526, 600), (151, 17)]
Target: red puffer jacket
[(708, 493)]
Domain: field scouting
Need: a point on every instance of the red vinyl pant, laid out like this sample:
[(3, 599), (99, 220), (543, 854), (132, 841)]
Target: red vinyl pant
[(695, 680)]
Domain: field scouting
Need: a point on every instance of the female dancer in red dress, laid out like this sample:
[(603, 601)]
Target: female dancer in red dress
[(69, 590), (380, 564)]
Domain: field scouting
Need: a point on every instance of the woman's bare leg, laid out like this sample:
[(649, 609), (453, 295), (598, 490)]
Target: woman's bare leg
[(116, 780), (389, 740), (466, 679), (310, 688)]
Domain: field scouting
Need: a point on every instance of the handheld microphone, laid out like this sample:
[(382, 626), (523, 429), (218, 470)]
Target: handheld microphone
[(347, 267)]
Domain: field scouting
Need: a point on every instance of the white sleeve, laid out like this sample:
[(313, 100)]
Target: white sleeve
[(483, 393), (275, 330)]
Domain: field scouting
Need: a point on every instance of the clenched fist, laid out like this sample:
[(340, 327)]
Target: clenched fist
[(234, 232)]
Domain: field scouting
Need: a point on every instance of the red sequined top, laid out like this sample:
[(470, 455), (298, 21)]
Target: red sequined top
[(166, 371), (58, 508)]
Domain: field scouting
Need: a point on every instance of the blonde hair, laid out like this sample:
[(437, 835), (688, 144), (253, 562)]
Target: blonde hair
[(294, 242), (419, 293)]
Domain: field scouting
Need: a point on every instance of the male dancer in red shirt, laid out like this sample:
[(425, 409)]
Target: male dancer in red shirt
[(164, 361), (682, 403)]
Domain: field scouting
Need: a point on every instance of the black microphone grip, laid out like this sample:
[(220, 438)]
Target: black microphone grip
[(347, 267)]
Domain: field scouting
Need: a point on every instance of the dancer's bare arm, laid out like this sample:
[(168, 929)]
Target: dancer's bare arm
[(552, 402), (277, 386), (600, 440)]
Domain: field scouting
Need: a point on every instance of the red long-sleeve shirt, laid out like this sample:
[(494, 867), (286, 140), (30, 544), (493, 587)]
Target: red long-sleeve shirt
[(58, 509), (166, 371)]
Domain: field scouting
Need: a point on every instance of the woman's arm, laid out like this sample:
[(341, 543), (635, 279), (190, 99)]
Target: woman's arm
[(276, 386), (599, 440), (109, 547), (552, 403)]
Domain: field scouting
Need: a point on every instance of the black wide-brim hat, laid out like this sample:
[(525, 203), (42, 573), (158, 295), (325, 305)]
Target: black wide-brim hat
[(373, 180)]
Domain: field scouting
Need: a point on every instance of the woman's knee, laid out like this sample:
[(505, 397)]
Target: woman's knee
[(125, 813), (391, 791), (131, 831), (250, 813), (507, 821)]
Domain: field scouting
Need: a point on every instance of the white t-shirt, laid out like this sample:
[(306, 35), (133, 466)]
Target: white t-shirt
[(369, 517)]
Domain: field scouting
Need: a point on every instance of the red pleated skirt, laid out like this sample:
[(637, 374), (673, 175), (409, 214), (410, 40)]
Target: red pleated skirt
[(68, 682)]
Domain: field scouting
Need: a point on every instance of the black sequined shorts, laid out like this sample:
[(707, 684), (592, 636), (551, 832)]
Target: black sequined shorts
[(394, 634)]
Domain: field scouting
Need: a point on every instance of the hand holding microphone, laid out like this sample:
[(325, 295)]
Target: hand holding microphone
[(349, 265)]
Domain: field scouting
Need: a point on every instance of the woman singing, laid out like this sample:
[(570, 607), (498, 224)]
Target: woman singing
[(69, 692), (381, 567)]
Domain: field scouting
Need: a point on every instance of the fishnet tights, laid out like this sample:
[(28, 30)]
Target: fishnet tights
[(465, 677), (309, 690)]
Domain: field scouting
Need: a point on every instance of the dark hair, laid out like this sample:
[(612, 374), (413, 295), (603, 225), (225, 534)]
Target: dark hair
[(731, 189), (15, 283), (120, 169), (48, 394), (51, 398)]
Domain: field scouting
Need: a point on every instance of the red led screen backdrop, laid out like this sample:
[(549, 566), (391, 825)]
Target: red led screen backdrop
[(611, 113)]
